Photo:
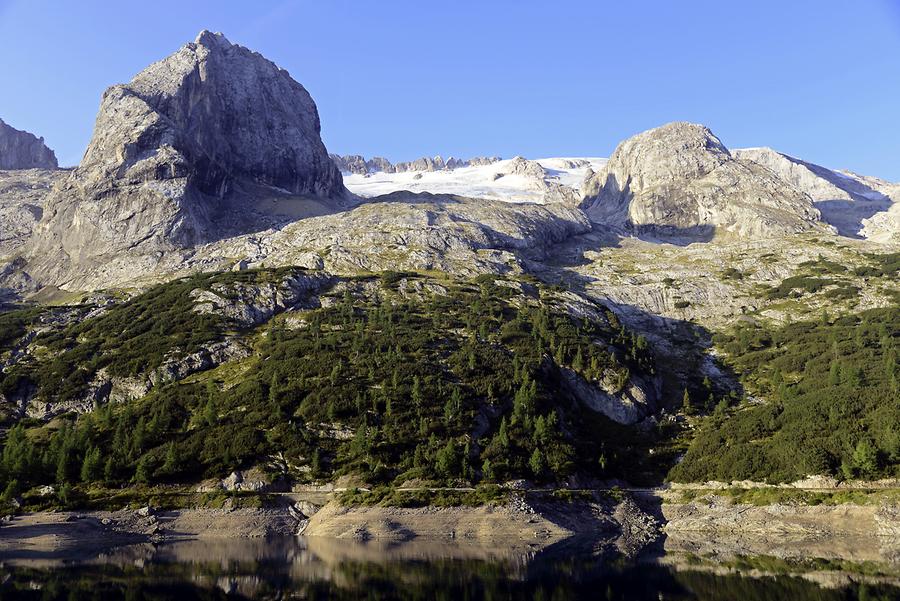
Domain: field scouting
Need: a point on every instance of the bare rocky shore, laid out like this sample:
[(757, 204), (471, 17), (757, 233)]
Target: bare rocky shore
[(517, 523), (708, 526), (59, 534)]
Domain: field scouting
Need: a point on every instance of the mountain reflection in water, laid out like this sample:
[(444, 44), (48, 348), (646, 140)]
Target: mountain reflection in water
[(319, 568)]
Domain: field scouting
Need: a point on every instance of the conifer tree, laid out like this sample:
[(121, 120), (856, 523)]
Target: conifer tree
[(686, 404)]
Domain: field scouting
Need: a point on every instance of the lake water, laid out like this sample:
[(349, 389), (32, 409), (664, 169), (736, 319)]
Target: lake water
[(298, 568)]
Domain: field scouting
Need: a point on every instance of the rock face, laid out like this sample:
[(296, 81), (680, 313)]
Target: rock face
[(22, 195), (539, 180), (186, 153), (252, 304), (680, 179), (22, 150), (405, 231), (628, 406), (845, 200), (884, 226)]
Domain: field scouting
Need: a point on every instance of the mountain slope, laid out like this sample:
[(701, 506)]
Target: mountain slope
[(831, 390), (845, 200)]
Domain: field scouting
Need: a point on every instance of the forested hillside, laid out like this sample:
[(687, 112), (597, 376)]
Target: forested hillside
[(832, 403), (393, 378)]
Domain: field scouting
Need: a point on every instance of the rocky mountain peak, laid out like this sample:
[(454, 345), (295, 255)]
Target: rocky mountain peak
[(680, 179), (678, 150), (219, 113), (212, 40), (211, 141), (23, 150)]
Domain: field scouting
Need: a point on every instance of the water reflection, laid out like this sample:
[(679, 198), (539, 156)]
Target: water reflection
[(319, 568)]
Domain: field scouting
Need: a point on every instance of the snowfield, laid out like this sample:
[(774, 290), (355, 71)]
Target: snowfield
[(496, 181)]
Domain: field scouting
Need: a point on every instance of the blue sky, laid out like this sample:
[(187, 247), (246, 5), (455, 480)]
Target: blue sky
[(815, 79)]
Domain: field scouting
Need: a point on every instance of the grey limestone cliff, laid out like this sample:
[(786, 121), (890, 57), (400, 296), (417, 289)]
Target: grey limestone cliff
[(211, 141), (23, 150)]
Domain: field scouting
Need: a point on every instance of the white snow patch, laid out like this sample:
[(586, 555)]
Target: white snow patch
[(482, 181)]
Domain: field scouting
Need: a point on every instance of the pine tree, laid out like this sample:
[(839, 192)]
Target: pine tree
[(540, 430), (578, 361), (466, 470), (92, 467), (64, 494), (834, 373), (138, 437), (417, 393), (487, 470), (110, 468), (523, 402), (446, 460), (170, 465), (595, 368), (62, 467), (335, 374), (359, 444), (602, 462), (452, 406), (273, 394), (503, 435), (142, 471), (537, 463), (210, 415), (865, 458), (316, 464), (686, 404), (10, 492)]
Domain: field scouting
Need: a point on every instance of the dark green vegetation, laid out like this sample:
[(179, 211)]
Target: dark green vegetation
[(392, 497), (761, 496), (406, 378), (832, 277), (396, 378), (886, 265), (131, 339), (14, 324), (833, 403), (797, 285)]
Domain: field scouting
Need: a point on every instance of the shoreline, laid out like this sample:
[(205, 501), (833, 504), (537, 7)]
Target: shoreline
[(708, 525)]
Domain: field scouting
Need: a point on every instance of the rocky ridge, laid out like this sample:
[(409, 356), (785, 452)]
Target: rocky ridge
[(23, 150), (354, 163), (845, 200), (398, 231)]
